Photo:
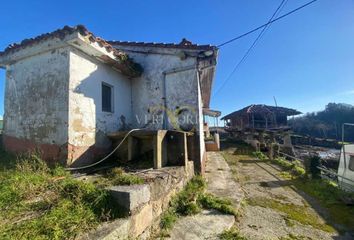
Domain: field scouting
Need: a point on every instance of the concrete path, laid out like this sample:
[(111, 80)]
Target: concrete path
[(220, 180), (206, 225), (262, 185), (209, 224)]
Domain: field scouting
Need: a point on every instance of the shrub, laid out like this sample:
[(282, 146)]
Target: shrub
[(38, 202), (315, 162), (191, 200), (231, 234), (260, 155)]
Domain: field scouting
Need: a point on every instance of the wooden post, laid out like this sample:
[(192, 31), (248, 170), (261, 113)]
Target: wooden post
[(158, 142)]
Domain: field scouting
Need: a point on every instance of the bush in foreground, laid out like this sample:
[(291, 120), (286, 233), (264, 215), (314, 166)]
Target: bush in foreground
[(38, 202)]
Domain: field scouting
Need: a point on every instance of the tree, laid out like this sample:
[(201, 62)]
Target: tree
[(326, 123)]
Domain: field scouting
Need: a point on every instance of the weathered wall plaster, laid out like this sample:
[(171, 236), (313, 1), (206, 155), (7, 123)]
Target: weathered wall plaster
[(167, 72), (54, 99), (88, 124), (36, 102)]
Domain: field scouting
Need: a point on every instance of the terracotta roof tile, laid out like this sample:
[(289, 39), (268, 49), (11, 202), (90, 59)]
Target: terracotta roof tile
[(184, 44), (61, 33), (126, 65)]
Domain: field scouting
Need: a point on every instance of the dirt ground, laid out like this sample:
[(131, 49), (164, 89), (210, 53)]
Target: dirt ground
[(272, 209)]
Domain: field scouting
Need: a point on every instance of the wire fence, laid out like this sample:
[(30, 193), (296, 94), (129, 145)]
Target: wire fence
[(328, 174)]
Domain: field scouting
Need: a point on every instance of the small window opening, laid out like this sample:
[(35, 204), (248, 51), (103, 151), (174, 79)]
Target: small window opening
[(107, 98)]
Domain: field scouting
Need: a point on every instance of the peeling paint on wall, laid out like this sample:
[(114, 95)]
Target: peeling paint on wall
[(36, 101)]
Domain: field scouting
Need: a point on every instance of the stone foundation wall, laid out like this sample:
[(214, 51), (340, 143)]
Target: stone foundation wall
[(52, 153), (144, 204)]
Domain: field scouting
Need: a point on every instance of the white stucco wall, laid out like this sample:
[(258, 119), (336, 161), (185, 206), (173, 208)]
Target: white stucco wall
[(148, 90), (36, 98), (182, 89), (87, 122)]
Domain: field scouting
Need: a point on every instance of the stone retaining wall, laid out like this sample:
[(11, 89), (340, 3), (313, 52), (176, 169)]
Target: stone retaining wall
[(144, 204)]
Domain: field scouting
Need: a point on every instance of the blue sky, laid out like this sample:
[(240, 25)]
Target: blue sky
[(305, 60)]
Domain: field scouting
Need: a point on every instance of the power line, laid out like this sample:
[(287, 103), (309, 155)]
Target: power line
[(280, 7), (274, 20)]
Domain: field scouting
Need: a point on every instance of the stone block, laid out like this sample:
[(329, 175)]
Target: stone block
[(131, 197), (141, 221)]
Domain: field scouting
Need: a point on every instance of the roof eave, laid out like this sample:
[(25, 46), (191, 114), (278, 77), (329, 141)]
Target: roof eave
[(119, 61), (12, 56), (88, 44)]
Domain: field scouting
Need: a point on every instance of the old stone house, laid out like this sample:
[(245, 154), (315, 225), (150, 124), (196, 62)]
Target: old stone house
[(67, 90)]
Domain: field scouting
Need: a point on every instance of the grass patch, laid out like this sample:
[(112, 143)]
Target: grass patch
[(190, 201), (260, 155), (231, 234), (326, 193), (117, 176), (38, 202), (330, 197), (209, 201), (295, 237), (294, 167), (293, 212)]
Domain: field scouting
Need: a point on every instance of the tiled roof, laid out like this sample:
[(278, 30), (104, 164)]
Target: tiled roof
[(126, 65), (184, 44), (261, 109), (61, 33)]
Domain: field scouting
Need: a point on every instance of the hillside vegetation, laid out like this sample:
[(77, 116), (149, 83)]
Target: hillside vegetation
[(326, 123), (38, 202)]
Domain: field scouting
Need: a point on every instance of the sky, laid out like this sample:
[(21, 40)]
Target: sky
[(305, 60)]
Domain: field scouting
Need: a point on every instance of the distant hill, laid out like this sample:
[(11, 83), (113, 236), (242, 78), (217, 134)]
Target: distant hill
[(326, 123)]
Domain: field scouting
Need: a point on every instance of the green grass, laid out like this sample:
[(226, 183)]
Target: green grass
[(327, 194), (117, 176), (210, 201), (294, 212), (329, 197), (260, 155), (295, 237), (231, 234), (38, 202), (190, 201), (294, 167)]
